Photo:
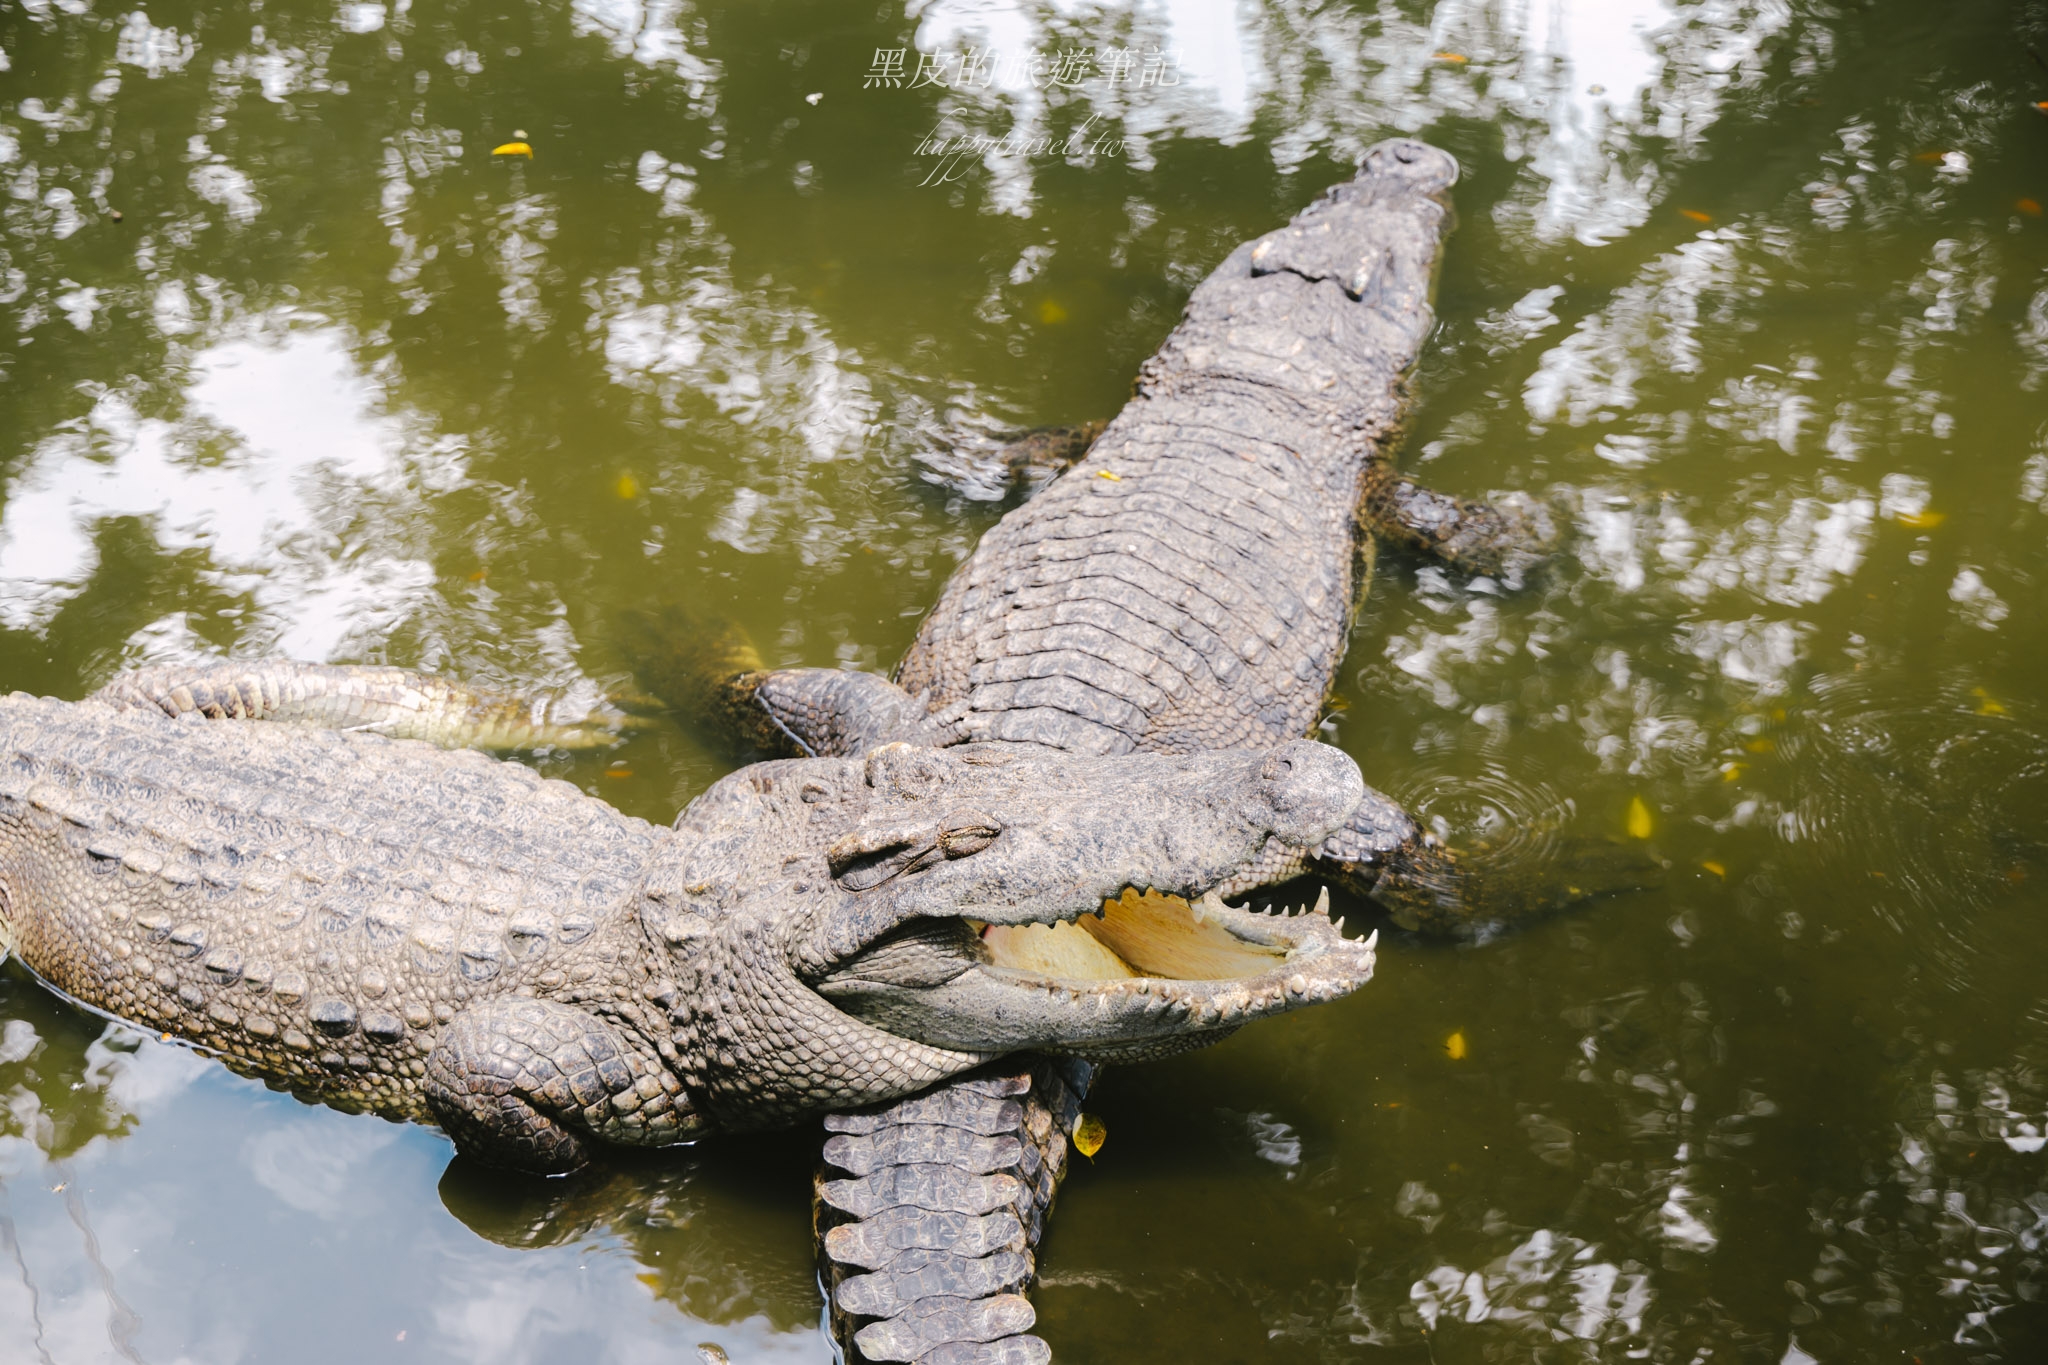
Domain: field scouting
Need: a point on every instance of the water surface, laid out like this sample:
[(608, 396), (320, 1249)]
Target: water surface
[(1756, 294)]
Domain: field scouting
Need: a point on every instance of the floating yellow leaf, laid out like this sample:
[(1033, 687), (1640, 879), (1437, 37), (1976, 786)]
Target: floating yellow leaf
[(1051, 313), (480, 575), (1731, 771), (618, 772), (650, 1279), (1762, 746), (1454, 1046), (1089, 1134), (1715, 868), (1696, 215), (1452, 57), (1106, 474), (627, 486), (1987, 705), (1922, 520), (2030, 207), (1639, 824), (513, 149), (1930, 158)]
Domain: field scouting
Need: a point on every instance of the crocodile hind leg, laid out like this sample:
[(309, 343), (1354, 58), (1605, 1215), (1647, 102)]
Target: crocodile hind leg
[(709, 671), (1472, 537), (394, 702), (931, 1209), (527, 1084)]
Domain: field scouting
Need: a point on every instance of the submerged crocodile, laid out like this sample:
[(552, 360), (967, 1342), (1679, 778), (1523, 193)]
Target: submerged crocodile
[(968, 886)]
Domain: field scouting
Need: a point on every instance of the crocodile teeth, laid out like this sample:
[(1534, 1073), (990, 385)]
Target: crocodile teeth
[(1323, 903)]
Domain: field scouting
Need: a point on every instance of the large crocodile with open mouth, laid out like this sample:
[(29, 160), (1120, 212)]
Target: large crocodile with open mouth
[(966, 887)]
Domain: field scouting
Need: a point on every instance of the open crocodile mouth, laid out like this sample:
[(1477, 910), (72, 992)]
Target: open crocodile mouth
[(1144, 967)]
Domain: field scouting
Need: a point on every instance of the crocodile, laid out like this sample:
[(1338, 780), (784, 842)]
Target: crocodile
[(955, 894), (1181, 580)]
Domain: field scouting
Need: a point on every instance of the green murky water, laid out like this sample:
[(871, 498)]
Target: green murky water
[(1758, 293)]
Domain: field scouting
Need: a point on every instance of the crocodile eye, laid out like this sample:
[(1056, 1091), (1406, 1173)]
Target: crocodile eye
[(967, 832), (870, 856)]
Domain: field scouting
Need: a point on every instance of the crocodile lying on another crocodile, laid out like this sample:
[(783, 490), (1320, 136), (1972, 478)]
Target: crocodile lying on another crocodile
[(1017, 849)]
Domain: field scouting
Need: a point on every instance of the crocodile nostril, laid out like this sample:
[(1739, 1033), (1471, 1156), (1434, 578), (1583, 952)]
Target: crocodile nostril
[(1308, 789)]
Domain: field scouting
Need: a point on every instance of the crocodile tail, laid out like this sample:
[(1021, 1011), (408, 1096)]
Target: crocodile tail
[(394, 702), (929, 1210)]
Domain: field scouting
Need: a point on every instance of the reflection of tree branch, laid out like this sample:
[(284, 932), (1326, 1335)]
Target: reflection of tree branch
[(122, 1321), (35, 1299)]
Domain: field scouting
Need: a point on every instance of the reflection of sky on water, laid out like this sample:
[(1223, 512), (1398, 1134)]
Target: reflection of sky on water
[(1763, 429), (1574, 86), (278, 443), (81, 1216)]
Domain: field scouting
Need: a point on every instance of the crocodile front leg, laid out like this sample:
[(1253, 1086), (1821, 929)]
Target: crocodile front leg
[(526, 1084), (1472, 537), (1042, 454), (830, 712), (710, 673)]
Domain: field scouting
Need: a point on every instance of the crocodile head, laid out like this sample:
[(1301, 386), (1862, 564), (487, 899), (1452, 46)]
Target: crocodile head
[(844, 931)]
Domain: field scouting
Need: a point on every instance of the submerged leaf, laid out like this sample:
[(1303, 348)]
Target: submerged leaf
[(513, 149), (1639, 822), (1454, 1046), (1089, 1134)]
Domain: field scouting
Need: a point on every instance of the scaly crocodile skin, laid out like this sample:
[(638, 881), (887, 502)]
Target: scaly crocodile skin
[(928, 1235), (321, 909), (1188, 585)]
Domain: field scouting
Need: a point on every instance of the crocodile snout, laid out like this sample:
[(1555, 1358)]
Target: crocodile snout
[(1308, 790)]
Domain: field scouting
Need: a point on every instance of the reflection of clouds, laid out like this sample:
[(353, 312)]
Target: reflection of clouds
[(209, 1244), (518, 247), (1792, 551), (279, 439), (1201, 47), (137, 1077), (2032, 335), (310, 1162), (500, 1310), (1549, 1285), (1650, 325), (652, 32), (1576, 87), (1975, 599)]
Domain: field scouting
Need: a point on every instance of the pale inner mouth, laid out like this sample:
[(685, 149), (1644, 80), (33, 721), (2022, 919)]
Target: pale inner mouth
[(1138, 934)]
